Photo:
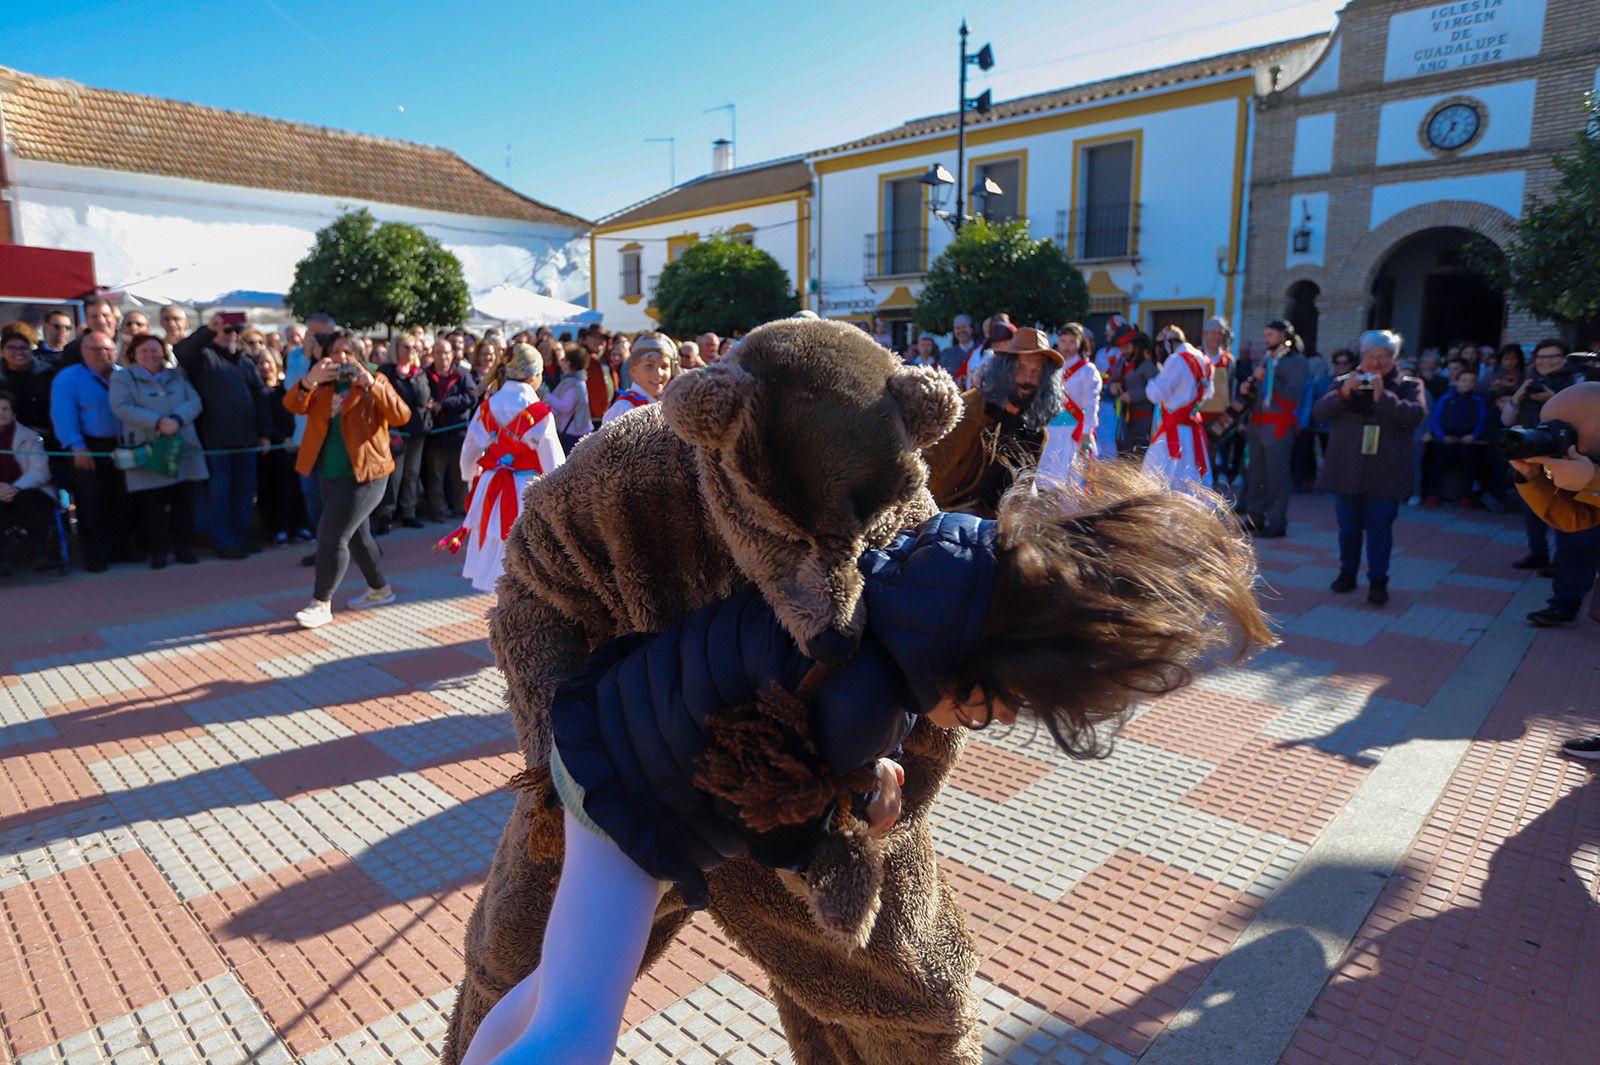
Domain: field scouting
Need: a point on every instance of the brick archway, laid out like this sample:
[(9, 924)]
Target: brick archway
[(1368, 256)]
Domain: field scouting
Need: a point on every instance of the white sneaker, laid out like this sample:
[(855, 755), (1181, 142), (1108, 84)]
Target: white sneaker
[(373, 597), (319, 613)]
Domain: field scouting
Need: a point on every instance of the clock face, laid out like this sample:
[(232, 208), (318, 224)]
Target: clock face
[(1453, 126)]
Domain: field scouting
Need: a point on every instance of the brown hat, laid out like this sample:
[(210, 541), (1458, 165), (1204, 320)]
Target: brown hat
[(1029, 341)]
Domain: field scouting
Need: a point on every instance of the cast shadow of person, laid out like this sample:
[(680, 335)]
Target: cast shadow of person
[(1509, 976)]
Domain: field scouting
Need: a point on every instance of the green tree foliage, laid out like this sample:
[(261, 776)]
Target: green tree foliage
[(722, 286), (990, 268), (1551, 264), (368, 275)]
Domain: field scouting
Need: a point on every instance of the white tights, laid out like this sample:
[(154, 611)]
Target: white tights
[(568, 1010)]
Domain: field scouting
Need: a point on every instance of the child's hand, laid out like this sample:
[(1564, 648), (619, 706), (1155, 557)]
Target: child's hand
[(884, 811)]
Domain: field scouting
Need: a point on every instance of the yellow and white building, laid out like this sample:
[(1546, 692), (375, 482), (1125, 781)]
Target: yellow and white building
[(767, 205)]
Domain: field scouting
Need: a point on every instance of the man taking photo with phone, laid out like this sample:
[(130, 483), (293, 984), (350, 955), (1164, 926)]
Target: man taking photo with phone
[(1564, 490)]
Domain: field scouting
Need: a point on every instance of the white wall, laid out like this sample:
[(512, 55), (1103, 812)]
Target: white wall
[(1508, 122), (1187, 185), (777, 232), (1502, 190), (190, 241)]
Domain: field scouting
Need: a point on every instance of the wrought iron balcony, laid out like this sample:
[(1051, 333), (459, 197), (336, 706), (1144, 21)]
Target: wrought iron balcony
[(896, 253), (1107, 231)]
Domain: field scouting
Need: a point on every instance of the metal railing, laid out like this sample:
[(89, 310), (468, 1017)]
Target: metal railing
[(896, 253), (1106, 231)]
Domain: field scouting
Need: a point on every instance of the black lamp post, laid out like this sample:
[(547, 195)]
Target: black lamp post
[(984, 60)]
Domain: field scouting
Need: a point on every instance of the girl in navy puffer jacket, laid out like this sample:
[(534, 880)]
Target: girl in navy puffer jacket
[(1065, 609)]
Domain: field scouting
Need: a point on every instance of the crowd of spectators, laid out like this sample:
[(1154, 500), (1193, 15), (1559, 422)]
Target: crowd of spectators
[(161, 441)]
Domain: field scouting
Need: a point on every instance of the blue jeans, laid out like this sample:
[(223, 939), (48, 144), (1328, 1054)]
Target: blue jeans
[(1372, 517), (1538, 532), (232, 492), (1577, 557)]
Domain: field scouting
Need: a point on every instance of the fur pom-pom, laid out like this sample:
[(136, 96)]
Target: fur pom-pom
[(762, 760), (929, 403)]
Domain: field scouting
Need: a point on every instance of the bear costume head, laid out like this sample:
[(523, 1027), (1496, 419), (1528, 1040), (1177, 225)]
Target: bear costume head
[(808, 437)]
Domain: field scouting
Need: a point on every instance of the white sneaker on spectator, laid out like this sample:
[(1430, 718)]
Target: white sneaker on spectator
[(319, 613), (373, 597)]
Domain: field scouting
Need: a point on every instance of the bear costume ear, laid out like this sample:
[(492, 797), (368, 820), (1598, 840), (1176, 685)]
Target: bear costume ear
[(703, 407), (929, 402)]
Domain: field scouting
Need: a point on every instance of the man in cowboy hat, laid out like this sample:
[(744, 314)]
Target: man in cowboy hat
[(1002, 425)]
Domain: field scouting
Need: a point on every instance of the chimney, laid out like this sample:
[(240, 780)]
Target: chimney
[(721, 155)]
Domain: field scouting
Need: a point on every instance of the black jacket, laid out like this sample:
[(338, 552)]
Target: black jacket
[(631, 727), (417, 393), (235, 412), (457, 396), (31, 389)]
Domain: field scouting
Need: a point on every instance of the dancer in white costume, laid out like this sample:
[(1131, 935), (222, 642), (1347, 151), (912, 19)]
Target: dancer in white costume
[(512, 440), (1178, 443), (1070, 439)]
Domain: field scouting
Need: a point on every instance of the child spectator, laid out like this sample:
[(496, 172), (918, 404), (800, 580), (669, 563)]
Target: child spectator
[(1453, 461)]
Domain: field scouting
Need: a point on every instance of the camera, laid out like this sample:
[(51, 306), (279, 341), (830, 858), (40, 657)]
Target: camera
[(1364, 381), (1547, 439), (347, 371)]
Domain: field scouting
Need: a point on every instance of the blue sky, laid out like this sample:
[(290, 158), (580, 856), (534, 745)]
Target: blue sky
[(574, 89)]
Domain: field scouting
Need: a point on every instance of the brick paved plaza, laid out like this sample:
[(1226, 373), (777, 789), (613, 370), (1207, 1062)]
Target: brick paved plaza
[(223, 839)]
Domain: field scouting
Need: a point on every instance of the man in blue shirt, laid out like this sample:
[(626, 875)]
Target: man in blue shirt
[(80, 410)]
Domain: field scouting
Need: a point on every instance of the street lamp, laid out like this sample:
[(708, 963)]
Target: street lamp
[(983, 60)]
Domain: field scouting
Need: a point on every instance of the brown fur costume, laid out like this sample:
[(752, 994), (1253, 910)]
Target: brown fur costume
[(778, 466)]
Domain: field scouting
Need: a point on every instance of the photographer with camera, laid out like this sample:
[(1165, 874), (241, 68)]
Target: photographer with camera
[(1372, 413), (349, 412), (1521, 408), (1559, 481)]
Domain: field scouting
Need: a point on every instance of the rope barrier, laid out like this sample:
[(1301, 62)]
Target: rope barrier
[(459, 427)]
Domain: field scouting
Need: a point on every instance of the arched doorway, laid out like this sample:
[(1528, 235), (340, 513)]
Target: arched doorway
[(1428, 293), (1303, 314)]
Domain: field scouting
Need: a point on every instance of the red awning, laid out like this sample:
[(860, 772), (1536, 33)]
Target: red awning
[(45, 273)]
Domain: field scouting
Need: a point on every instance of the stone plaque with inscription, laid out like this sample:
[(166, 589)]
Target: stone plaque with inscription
[(1467, 33)]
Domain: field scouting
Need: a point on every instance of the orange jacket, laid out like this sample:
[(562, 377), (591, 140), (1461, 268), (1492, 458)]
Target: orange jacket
[(603, 387), (368, 415), (1562, 510)]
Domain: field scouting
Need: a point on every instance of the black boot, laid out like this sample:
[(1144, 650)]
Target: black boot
[(1344, 582), (1378, 590)]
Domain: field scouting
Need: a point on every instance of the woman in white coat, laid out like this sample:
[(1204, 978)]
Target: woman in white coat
[(1178, 442), (510, 441)]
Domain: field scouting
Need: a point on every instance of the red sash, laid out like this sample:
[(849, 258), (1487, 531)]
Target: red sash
[(1284, 420), (506, 456), (1072, 407), (1190, 415), (961, 371), (628, 395)]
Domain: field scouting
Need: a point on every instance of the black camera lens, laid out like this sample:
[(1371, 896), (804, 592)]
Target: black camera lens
[(1547, 439)]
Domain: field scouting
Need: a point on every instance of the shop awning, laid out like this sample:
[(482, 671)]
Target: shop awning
[(45, 274)]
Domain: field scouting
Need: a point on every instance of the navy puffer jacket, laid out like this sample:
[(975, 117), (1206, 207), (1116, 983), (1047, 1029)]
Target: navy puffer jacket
[(631, 726)]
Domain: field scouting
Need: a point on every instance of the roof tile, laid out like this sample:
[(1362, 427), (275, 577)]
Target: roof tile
[(56, 121)]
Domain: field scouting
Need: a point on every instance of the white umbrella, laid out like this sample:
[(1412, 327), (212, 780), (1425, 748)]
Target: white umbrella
[(513, 304)]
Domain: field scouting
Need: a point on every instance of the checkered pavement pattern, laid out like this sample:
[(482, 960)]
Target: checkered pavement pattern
[(223, 839)]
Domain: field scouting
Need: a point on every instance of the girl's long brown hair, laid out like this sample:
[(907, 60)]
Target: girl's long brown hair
[(1109, 594)]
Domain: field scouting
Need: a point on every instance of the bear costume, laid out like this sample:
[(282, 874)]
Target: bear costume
[(778, 466)]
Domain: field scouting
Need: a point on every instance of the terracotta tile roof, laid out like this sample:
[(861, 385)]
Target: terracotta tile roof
[(1123, 85), (56, 121), (757, 181)]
